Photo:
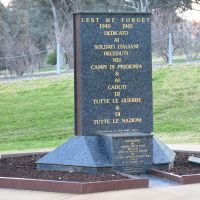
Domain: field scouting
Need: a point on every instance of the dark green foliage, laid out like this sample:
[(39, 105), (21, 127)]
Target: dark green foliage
[(51, 58), (37, 20), (41, 23)]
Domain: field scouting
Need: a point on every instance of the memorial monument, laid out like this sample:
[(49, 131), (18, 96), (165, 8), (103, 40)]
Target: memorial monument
[(113, 98)]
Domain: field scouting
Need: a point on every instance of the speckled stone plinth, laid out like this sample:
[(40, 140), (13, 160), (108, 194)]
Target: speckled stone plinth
[(163, 156), (132, 153), (91, 154)]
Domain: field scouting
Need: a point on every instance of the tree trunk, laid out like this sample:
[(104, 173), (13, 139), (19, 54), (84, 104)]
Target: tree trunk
[(170, 49), (60, 56)]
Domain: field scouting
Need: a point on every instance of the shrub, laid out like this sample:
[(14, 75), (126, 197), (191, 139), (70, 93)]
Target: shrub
[(51, 58)]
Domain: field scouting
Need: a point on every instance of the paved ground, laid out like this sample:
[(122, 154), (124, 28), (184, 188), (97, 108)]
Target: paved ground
[(159, 182), (36, 75), (186, 192), (185, 147)]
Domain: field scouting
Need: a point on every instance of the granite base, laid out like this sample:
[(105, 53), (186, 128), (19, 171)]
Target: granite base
[(132, 153)]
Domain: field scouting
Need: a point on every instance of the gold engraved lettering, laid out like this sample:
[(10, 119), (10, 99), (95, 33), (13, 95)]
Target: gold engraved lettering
[(129, 66), (112, 66), (99, 67), (143, 150), (115, 53), (116, 73), (118, 60), (117, 87), (101, 101), (104, 26), (117, 80), (134, 20), (128, 46), (116, 40), (124, 146), (101, 121), (133, 140), (141, 156), (108, 20), (115, 121), (117, 114), (90, 20), (131, 100), (116, 33), (104, 46), (131, 120), (120, 152), (117, 107), (115, 100), (127, 26), (117, 94)]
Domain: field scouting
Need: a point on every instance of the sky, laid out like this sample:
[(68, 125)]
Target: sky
[(190, 15), (193, 14), (5, 2)]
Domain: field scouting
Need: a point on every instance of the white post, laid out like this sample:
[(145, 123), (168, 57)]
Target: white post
[(58, 64), (170, 50)]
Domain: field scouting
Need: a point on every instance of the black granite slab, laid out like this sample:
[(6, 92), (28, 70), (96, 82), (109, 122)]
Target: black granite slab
[(108, 64), (132, 154)]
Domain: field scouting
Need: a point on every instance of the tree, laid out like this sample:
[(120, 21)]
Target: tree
[(149, 5), (188, 39), (40, 19), (3, 33), (136, 5), (62, 12), (19, 46), (163, 23)]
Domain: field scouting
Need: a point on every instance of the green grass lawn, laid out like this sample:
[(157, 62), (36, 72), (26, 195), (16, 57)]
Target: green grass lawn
[(176, 92), (38, 113), (51, 68)]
